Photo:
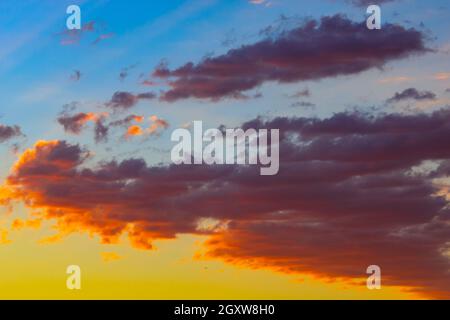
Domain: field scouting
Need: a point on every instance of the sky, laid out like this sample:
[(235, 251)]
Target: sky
[(86, 178)]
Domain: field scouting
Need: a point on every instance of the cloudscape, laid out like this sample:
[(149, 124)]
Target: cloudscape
[(355, 118)]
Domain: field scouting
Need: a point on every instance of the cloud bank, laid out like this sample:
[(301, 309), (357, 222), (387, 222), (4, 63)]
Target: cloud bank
[(353, 190)]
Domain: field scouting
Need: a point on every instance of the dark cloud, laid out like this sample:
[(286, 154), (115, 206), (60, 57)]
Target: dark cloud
[(412, 94), (126, 100), (348, 194), (127, 120), (331, 47), (75, 123), (9, 132), (101, 130), (76, 75)]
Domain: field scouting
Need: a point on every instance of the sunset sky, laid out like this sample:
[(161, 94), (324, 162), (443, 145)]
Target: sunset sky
[(86, 178)]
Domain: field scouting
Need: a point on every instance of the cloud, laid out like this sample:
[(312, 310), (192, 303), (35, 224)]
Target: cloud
[(442, 76), (303, 104), (155, 125), (76, 75), (301, 94), (345, 47), (134, 130), (19, 224), (349, 194), (412, 94), (9, 132), (101, 130), (74, 124), (125, 100), (127, 120)]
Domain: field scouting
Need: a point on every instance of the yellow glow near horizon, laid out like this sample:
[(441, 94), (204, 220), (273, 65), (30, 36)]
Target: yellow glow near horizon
[(30, 270)]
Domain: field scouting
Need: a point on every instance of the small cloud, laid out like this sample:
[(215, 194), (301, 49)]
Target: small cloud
[(133, 131), (126, 100), (101, 130), (9, 132), (156, 124), (19, 224), (74, 124), (301, 93), (303, 104), (412, 94), (75, 76), (127, 120)]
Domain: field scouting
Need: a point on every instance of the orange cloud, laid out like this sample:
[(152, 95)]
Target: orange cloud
[(157, 123), (442, 76), (155, 126), (19, 224), (134, 130)]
